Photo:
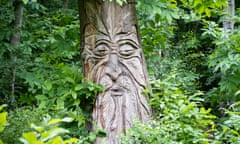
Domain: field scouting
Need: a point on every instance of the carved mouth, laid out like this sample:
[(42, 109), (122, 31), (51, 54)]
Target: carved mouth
[(116, 91)]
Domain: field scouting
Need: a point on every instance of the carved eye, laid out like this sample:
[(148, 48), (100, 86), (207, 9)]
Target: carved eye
[(101, 50), (126, 50)]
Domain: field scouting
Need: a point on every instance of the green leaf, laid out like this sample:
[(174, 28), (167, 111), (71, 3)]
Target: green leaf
[(71, 140), (208, 12), (237, 93), (48, 85), (25, 1), (78, 87), (38, 128), (30, 138), (69, 79), (67, 119), (74, 94), (3, 120), (54, 121), (52, 133)]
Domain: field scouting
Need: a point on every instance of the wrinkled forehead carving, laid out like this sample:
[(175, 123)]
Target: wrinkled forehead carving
[(110, 21), (93, 36)]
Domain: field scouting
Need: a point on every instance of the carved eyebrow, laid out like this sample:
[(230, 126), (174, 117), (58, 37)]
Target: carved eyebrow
[(103, 41), (128, 41)]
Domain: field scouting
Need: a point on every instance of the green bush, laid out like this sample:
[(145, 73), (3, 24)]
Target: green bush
[(229, 128), (48, 132), (224, 64), (179, 118), (19, 121)]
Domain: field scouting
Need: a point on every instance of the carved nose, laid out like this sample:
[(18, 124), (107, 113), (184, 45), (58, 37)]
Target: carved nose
[(113, 68)]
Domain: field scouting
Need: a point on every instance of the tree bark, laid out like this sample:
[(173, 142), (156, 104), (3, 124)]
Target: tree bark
[(228, 23), (66, 2), (14, 41), (113, 57)]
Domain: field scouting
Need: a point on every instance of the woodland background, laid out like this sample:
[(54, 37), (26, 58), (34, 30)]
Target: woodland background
[(193, 59)]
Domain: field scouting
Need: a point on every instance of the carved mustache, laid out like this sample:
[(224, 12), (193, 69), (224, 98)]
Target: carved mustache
[(118, 84)]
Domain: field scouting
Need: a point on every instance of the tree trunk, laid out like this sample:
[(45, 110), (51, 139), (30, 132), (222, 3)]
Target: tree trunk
[(228, 23), (113, 57), (14, 41), (66, 2)]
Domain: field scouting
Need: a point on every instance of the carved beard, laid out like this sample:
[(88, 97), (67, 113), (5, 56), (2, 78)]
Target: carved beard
[(120, 103)]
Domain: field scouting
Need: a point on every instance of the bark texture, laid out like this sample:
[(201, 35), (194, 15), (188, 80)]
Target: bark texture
[(113, 57), (14, 41), (229, 23)]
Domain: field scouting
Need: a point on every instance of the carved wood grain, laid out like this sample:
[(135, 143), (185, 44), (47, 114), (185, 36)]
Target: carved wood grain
[(113, 57)]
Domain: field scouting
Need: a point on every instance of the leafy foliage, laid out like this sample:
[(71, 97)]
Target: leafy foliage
[(19, 121), (48, 133), (48, 72), (193, 65), (204, 6), (224, 62), (180, 117)]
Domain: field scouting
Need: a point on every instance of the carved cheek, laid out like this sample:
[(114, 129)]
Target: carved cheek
[(97, 71), (135, 68), (125, 82)]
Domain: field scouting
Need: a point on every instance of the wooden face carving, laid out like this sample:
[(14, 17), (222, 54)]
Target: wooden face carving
[(113, 58), (117, 64)]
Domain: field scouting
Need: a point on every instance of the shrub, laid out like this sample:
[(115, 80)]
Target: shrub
[(19, 121), (179, 117)]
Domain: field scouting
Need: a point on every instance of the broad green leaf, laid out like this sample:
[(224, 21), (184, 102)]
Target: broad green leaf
[(25, 1), (78, 87), (237, 93), (74, 94), (48, 85), (71, 140), (30, 138), (67, 119), (208, 12), (3, 120), (52, 133), (54, 121), (69, 79), (38, 128)]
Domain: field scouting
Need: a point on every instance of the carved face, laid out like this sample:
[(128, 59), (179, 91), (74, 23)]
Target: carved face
[(114, 62), (113, 57)]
